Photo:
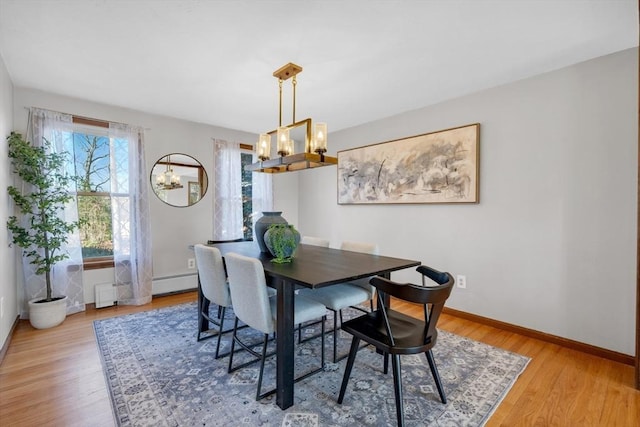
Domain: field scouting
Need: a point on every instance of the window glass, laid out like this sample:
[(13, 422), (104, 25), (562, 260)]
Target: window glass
[(93, 164), (247, 206), (91, 153)]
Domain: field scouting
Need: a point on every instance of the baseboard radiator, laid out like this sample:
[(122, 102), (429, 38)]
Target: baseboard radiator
[(105, 295)]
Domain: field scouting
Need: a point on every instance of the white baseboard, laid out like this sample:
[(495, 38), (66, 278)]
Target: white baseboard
[(182, 282)]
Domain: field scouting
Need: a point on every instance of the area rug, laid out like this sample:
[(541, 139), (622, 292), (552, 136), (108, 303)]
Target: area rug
[(159, 375)]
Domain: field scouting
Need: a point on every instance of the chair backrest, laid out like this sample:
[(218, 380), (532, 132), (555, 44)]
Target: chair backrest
[(438, 277), (367, 248), (432, 297), (249, 292), (315, 241), (213, 279)]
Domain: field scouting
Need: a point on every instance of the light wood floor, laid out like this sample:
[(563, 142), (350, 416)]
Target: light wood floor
[(54, 377)]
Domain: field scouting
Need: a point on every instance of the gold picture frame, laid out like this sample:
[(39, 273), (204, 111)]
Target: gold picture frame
[(436, 167)]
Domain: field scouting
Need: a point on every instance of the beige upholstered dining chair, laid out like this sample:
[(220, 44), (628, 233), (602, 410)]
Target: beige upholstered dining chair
[(367, 248), (212, 288), (340, 296), (254, 307), (315, 241)]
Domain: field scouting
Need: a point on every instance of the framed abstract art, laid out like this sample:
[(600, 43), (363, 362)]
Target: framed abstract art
[(436, 167)]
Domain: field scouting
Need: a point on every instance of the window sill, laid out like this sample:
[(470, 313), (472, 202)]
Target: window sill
[(97, 263)]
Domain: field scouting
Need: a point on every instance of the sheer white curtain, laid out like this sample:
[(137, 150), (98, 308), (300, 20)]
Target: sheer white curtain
[(130, 213), (66, 276), (262, 197), (227, 197)]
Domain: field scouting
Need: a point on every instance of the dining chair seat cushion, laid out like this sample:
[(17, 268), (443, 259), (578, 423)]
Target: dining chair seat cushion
[(363, 284), (337, 297), (305, 310)]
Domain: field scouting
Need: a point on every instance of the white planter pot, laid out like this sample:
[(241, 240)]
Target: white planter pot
[(43, 315)]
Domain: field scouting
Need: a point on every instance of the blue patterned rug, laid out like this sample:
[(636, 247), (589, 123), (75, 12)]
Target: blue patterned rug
[(159, 375)]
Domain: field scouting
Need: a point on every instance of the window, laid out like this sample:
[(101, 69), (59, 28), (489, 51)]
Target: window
[(91, 152), (247, 191), (91, 155), (238, 194)]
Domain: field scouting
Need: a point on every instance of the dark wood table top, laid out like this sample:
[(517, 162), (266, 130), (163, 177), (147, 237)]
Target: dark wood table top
[(316, 266)]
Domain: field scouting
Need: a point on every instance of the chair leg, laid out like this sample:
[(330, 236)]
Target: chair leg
[(335, 333), (386, 363), (233, 344), (355, 343), (203, 307), (436, 376), (322, 342), (262, 359), (397, 385), (223, 311)]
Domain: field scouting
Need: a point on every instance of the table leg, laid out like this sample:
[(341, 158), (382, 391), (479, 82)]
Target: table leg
[(284, 344)]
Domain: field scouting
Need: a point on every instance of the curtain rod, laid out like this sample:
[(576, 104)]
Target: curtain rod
[(84, 117)]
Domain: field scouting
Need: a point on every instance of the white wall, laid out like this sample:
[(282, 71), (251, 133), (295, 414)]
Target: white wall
[(552, 244), (285, 196), (8, 291), (173, 229)]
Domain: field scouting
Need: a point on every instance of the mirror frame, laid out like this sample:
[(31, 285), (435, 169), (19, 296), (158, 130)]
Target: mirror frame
[(201, 184)]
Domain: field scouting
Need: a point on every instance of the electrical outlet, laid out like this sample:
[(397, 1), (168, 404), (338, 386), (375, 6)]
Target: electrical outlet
[(191, 263), (462, 281)]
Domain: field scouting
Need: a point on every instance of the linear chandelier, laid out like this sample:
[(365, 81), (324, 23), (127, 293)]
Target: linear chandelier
[(315, 136)]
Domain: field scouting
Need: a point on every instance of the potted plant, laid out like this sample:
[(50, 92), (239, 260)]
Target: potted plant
[(282, 241), (38, 229)]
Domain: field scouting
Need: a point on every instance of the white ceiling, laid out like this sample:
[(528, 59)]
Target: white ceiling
[(212, 61)]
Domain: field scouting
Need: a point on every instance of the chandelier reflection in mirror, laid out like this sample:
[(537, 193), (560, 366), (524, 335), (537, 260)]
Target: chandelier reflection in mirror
[(313, 151), (168, 180)]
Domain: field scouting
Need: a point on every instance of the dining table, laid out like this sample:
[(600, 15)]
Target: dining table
[(311, 267)]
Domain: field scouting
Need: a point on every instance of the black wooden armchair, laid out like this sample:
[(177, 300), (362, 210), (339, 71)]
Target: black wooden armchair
[(394, 333)]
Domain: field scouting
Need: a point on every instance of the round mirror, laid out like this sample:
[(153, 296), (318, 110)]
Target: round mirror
[(179, 180)]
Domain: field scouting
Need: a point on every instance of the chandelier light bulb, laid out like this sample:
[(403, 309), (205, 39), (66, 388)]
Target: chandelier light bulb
[(320, 138), (264, 147), (283, 141)]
